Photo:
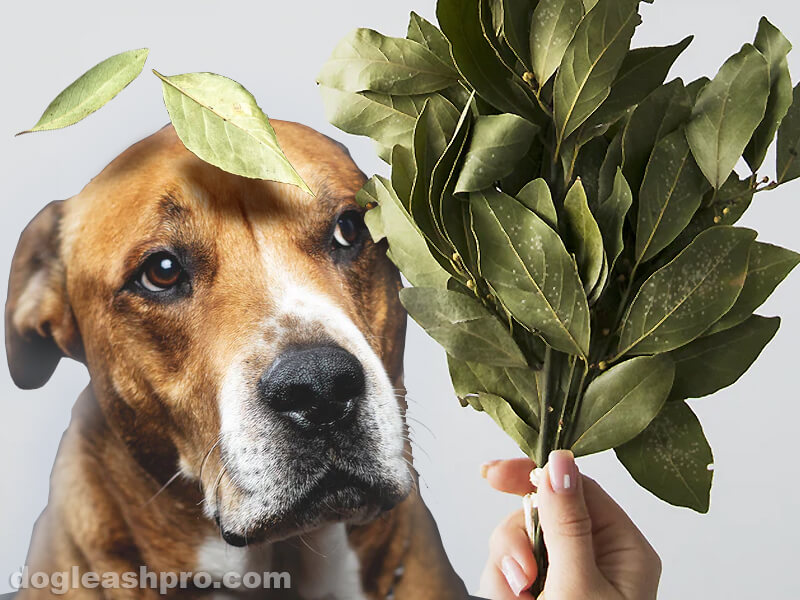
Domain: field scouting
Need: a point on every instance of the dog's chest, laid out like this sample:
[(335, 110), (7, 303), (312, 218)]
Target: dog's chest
[(325, 567)]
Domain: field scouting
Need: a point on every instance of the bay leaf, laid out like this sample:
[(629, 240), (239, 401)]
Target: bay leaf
[(463, 326), (611, 218), (217, 119), (497, 143), (509, 421), (684, 298), (530, 270), (672, 190), (92, 90), (424, 32), (727, 112), (553, 27), (789, 141), (621, 403), (407, 246), (367, 61), (775, 48), (536, 196), (716, 361), (591, 63), (671, 458), (583, 236), (517, 24)]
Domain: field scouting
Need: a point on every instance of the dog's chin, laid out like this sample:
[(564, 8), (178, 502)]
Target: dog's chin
[(338, 498)]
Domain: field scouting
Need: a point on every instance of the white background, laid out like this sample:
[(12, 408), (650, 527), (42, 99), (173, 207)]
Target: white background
[(746, 546)]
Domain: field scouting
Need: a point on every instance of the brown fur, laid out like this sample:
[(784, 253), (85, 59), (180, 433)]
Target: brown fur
[(155, 369)]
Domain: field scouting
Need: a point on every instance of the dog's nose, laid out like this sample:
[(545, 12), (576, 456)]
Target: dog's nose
[(314, 386)]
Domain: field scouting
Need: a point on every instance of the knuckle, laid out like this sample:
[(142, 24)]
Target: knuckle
[(574, 524)]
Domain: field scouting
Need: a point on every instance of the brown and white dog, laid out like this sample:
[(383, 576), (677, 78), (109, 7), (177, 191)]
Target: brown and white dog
[(244, 342)]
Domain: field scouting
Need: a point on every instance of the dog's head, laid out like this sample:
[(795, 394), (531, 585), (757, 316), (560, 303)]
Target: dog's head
[(240, 331)]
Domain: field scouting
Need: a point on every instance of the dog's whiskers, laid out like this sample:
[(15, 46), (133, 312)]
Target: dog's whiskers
[(163, 487)]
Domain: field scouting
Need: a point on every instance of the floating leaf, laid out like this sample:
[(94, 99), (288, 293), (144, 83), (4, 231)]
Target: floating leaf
[(768, 266), (671, 193), (583, 236), (789, 141), (775, 47), (366, 61), (621, 403), (478, 63), (591, 63), (462, 325), (533, 275), (536, 196), (683, 299), (407, 246), (553, 27), (92, 90), (218, 120), (671, 458), (716, 361), (611, 218), (727, 112), (498, 142), (517, 386)]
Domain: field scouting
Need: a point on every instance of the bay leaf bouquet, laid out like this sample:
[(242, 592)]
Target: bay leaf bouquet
[(567, 219)]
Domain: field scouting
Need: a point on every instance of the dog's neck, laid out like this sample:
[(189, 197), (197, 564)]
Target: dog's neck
[(161, 525)]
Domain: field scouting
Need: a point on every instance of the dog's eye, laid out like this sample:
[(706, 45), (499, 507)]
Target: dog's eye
[(349, 229), (160, 272)]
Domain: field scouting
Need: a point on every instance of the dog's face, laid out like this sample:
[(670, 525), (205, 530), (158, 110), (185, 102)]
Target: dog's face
[(238, 331)]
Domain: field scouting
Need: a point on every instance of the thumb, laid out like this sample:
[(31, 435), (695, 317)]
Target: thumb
[(566, 524)]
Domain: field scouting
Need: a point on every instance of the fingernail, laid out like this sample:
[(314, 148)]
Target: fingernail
[(536, 476), (515, 576), (486, 466), (563, 471)]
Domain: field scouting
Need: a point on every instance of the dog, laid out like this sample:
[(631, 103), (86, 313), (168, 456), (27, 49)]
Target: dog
[(245, 411)]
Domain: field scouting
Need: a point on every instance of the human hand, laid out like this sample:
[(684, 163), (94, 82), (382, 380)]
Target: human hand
[(594, 549)]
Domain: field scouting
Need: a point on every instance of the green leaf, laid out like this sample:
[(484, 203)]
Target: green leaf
[(478, 63), (533, 275), (621, 403), (683, 299), (462, 325), (657, 116), (92, 90), (716, 361), (404, 171), (365, 61), (642, 72), (554, 25), (789, 141), (672, 458), (536, 196), (775, 48), (219, 120), (768, 266), (583, 236), (498, 142), (426, 33), (389, 120), (503, 414), (517, 386), (727, 112), (611, 162), (591, 63), (611, 218), (517, 24), (671, 193), (407, 247)]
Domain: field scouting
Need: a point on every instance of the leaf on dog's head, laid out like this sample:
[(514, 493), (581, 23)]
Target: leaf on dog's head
[(219, 120), (92, 90)]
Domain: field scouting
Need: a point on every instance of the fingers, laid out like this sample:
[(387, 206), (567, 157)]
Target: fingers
[(510, 476), (566, 524), (511, 568)]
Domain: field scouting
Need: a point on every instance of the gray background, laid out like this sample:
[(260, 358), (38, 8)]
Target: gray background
[(746, 546)]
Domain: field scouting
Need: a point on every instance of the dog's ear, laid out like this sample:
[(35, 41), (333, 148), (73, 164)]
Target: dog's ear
[(40, 326)]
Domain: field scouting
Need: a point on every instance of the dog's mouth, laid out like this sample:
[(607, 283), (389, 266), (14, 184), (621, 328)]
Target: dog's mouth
[(338, 496)]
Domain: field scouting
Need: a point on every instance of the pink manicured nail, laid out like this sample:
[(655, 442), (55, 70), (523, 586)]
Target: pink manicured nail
[(563, 471), (515, 576), (486, 466)]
